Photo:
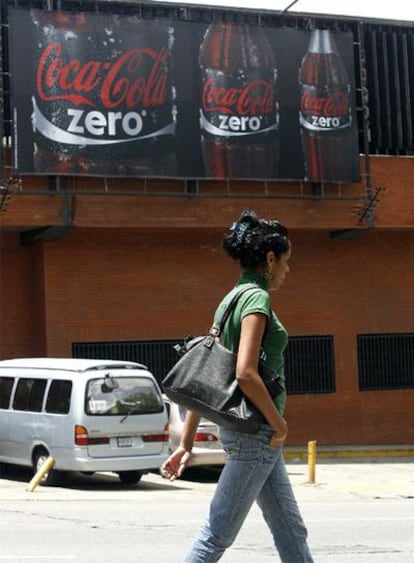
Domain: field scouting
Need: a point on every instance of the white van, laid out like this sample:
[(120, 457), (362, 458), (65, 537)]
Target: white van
[(89, 415)]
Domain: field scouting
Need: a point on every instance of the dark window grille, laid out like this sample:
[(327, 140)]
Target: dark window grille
[(158, 355), (390, 51), (310, 365), (385, 361)]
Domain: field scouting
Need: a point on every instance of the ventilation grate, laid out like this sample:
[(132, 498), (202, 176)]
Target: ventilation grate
[(310, 365), (385, 361), (158, 355)]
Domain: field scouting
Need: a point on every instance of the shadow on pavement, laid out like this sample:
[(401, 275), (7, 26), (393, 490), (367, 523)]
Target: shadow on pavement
[(87, 482)]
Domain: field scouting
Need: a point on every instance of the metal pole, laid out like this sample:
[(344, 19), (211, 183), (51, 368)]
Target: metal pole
[(46, 467), (311, 461)]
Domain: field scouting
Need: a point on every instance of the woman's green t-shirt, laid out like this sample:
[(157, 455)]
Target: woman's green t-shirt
[(256, 300)]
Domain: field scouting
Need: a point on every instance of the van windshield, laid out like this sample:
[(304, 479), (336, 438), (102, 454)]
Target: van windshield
[(122, 396)]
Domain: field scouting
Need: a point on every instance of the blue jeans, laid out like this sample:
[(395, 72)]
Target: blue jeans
[(253, 472)]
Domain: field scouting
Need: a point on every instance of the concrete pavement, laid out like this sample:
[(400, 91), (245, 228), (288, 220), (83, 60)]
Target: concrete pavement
[(355, 511), (353, 471)]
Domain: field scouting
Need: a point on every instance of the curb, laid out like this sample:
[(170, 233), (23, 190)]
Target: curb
[(350, 452)]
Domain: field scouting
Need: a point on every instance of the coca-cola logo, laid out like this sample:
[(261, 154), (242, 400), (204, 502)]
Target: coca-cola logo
[(325, 112), (254, 98), (334, 105), (229, 109), (123, 82)]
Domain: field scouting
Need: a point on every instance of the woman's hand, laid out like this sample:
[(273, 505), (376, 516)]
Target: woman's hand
[(277, 440), (175, 465)]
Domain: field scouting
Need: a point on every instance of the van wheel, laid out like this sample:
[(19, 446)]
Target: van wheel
[(39, 459), (130, 477)]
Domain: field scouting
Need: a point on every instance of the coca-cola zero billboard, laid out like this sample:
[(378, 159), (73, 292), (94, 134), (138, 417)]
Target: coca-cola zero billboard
[(112, 95)]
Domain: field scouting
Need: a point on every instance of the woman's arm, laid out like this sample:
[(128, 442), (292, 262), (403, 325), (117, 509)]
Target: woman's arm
[(252, 330), (190, 426), (174, 466)]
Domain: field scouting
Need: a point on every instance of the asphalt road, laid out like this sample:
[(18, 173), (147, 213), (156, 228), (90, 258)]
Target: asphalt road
[(355, 512)]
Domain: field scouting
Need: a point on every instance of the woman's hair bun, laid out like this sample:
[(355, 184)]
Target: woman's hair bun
[(249, 239)]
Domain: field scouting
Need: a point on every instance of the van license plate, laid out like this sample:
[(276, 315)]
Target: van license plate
[(125, 442)]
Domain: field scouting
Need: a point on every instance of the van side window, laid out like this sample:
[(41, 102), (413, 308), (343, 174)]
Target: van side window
[(6, 386), (29, 394), (58, 399)]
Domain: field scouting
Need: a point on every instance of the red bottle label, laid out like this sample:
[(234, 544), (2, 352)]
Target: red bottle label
[(325, 109), (239, 104)]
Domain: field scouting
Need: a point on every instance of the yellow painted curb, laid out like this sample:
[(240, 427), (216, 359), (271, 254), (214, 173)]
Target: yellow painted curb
[(342, 452)]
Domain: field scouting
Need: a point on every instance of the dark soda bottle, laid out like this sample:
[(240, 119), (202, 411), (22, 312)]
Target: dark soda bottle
[(325, 112), (239, 113), (103, 100)]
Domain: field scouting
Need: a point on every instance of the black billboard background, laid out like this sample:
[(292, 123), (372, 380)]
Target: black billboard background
[(289, 47)]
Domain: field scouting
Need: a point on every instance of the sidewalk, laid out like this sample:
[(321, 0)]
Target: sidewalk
[(352, 472), (344, 473)]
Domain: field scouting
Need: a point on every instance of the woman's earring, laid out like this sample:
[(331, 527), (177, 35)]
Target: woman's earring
[(268, 275)]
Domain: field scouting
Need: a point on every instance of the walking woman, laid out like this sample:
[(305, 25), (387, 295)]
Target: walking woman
[(254, 468)]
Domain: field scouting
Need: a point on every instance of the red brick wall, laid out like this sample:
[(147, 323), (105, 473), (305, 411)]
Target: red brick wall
[(22, 303), (141, 284), (139, 265), (347, 288), (158, 204)]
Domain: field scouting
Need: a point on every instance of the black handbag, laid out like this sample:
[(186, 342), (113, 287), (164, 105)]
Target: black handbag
[(204, 380)]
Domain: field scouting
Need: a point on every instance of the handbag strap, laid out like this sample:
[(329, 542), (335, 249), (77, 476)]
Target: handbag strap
[(217, 328)]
